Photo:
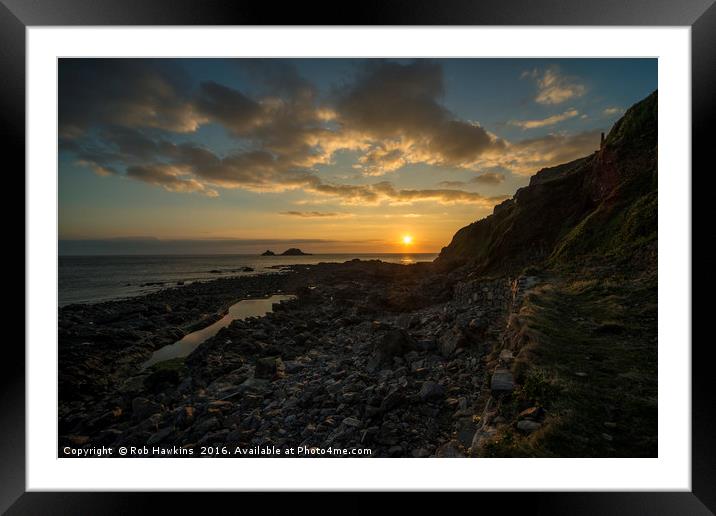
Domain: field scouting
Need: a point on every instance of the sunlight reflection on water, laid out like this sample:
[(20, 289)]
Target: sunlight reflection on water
[(241, 310)]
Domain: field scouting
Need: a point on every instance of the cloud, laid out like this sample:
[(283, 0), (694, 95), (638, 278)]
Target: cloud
[(611, 111), (443, 196), (453, 184), (121, 118), (315, 214), (488, 178), (550, 120), (170, 178), (127, 92), (553, 87), (100, 170), (528, 156), (396, 109), (229, 107)]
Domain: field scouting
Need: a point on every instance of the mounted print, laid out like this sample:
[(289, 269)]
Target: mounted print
[(451, 251), (357, 257)]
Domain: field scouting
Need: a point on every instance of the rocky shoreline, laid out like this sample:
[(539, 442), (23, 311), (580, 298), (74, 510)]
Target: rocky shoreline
[(369, 355)]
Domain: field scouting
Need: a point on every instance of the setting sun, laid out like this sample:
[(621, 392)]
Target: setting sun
[(407, 239)]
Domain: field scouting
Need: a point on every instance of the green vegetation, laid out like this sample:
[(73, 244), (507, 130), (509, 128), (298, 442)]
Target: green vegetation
[(594, 369)]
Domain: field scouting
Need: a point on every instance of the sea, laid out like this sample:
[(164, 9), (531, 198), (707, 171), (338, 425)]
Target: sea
[(93, 279)]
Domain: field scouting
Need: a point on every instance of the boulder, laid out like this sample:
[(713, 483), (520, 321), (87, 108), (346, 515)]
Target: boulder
[(142, 408), (502, 382), (450, 449), (533, 413), (451, 340), (527, 426), (267, 368), (393, 343), (431, 391)]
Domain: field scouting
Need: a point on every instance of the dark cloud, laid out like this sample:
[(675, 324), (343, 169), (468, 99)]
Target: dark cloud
[(401, 102), (127, 92), (392, 100), (488, 178), (117, 117), (458, 142), (170, 177), (229, 107)]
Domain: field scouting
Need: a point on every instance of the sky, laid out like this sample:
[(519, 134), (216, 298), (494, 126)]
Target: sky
[(338, 155)]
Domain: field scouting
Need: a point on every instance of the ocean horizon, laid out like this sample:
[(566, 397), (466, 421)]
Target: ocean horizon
[(98, 278)]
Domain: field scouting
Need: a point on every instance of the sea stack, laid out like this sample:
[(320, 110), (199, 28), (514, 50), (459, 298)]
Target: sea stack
[(268, 252), (294, 252)]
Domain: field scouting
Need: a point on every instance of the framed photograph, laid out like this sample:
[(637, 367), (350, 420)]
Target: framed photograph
[(444, 248)]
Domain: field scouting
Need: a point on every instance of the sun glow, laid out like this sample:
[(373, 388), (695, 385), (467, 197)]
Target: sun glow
[(407, 239)]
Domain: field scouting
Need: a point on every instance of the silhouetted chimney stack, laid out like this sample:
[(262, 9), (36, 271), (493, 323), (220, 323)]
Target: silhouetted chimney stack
[(601, 144)]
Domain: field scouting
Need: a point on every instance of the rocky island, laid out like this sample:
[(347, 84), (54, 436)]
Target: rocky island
[(534, 333), (293, 251)]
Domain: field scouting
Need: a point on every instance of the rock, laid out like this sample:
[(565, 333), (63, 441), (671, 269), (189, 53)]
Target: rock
[(159, 436), (184, 417), (267, 368), (482, 435), (450, 449), (533, 413), (78, 440), (465, 434), (580, 374), (527, 426), (268, 253), (293, 251), (420, 453), (502, 382), (133, 385), (142, 408), (394, 398), (395, 451), (506, 356), (371, 411), (352, 422), (450, 340), (394, 343), (205, 426), (254, 385), (431, 391), (109, 436), (291, 367)]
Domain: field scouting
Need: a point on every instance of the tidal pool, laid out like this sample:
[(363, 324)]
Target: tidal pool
[(188, 343)]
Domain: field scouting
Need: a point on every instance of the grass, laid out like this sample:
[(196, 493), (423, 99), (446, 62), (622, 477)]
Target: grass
[(593, 368)]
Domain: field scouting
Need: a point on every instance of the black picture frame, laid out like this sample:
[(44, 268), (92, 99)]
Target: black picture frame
[(17, 15)]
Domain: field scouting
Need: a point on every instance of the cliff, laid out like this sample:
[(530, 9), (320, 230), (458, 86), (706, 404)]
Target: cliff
[(600, 204)]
